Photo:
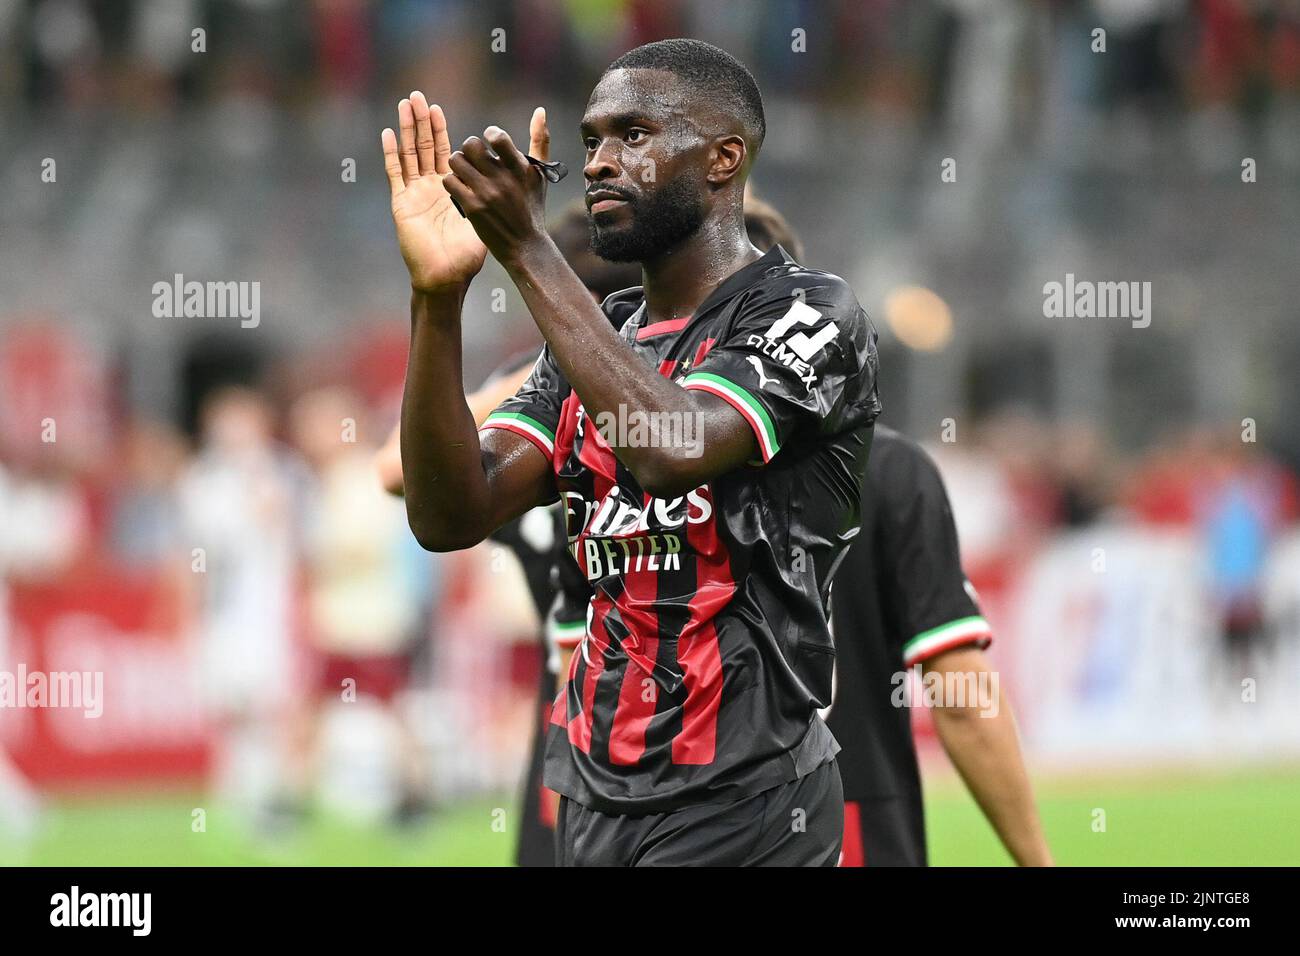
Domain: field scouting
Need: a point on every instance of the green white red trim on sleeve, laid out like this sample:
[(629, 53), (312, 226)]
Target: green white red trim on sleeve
[(964, 630), (567, 634), (530, 428), (742, 401)]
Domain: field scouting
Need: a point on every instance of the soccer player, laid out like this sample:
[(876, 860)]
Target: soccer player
[(363, 611), (558, 588), (688, 729), (901, 600)]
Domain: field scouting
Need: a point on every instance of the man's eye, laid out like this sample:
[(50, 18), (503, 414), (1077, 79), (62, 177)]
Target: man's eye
[(635, 135), (591, 143)]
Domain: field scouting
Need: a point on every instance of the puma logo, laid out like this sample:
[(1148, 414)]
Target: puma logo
[(757, 362)]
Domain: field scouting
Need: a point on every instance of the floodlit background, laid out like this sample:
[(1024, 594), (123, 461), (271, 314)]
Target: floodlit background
[(1125, 490)]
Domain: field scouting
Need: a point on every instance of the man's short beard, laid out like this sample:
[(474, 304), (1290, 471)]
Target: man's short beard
[(669, 215)]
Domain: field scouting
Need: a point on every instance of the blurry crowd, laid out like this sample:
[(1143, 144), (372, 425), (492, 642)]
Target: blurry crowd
[(1021, 480), (1068, 475), (134, 53)]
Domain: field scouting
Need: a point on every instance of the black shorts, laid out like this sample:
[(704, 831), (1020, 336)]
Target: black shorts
[(796, 824)]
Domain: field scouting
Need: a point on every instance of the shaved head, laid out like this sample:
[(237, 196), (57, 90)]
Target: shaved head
[(711, 78)]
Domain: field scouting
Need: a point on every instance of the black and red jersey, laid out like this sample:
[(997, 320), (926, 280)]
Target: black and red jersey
[(900, 599), (706, 651)]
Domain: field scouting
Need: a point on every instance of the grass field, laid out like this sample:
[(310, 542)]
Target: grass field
[(1241, 818)]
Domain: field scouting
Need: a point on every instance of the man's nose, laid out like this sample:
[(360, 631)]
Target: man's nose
[(601, 165)]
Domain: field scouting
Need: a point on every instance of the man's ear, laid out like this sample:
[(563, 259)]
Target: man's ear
[(730, 154)]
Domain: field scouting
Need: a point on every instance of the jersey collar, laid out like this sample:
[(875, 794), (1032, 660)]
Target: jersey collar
[(743, 278), (728, 288)]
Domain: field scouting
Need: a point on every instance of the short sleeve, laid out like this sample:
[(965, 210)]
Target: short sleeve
[(799, 359), (937, 605), (534, 410)]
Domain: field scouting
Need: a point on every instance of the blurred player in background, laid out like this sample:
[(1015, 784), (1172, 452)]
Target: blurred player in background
[(43, 524), (240, 527), (901, 600), (1243, 504), (364, 607)]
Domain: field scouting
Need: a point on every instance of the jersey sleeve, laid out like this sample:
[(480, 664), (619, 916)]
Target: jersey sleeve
[(534, 410), (799, 359), (938, 607)]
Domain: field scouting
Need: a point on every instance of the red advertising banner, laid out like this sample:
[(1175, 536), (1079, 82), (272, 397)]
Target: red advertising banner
[(98, 684)]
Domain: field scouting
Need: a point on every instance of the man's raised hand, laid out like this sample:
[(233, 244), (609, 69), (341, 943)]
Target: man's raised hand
[(502, 194), (441, 250)]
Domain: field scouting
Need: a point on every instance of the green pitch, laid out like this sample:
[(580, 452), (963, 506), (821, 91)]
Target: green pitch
[(1246, 818), (1242, 818)]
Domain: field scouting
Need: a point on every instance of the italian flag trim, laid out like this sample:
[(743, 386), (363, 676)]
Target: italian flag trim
[(743, 402), (964, 630), (530, 428), (568, 633)]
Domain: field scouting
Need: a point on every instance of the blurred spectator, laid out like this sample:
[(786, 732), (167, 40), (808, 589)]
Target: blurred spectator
[(1162, 486), (365, 580), (1082, 471), (240, 501), (42, 527), (1243, 503), (145, 520)]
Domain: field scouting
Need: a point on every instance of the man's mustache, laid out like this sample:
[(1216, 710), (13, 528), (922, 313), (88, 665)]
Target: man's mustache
[(624, 194)]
